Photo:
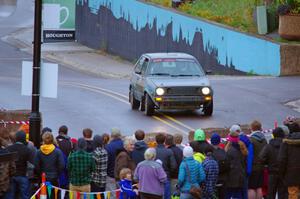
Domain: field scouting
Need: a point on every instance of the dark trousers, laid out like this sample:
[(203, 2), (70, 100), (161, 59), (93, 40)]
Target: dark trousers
[(276, 184), (96, 188), (149, 196), (234, 193), (221, 191), (19, 185)]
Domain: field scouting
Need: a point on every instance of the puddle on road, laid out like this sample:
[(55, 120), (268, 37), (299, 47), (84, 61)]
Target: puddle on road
[(295, 105)]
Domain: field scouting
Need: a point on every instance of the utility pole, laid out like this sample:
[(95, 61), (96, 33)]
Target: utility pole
[(35, 117)]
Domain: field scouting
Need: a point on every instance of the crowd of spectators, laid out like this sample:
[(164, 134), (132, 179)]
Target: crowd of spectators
[(160, 168)]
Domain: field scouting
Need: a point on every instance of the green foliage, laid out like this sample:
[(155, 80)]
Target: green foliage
[(237, 13), (293, 5)]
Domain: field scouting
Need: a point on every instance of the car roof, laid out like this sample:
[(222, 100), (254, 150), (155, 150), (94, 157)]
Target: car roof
[(169, 55)]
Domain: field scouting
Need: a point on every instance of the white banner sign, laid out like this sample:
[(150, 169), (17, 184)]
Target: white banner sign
[(48, 79)]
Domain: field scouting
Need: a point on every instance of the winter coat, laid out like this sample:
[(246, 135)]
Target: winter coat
[(111, 148), (65, 144), (138, 152), (151, 177), (237, 173), (49, 160), (167, 157), (24, 155), (258, 140), (7, 170), (196, 171), (269, 155), (224, 166), (178, 154), (249, 145), (123, 160), (289, 160), (126, 189)]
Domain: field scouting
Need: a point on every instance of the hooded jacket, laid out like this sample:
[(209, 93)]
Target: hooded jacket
[(50, 160), (258, 140), (269, 155), (168, 159), (138, 152), (289, 160), (112, 148)]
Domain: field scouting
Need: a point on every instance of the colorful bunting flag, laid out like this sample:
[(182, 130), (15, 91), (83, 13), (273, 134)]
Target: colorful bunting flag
[(49, 189), (77, 195), (98, 196), (55, 193), (62, 194), (118, 194), (108, 195), (71, 195)]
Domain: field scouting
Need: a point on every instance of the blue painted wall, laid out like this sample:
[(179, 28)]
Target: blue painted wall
[(246, 53)]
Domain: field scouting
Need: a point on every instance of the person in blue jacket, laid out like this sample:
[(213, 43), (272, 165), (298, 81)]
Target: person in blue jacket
[(127, 189), (244, 138)]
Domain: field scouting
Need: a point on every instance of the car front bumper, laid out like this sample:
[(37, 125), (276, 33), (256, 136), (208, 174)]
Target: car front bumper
[(181, 102)]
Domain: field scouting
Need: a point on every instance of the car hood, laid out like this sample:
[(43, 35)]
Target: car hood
[(179, 81)]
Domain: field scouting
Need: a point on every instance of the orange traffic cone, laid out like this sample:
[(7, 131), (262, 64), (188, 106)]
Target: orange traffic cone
[(43, 194)]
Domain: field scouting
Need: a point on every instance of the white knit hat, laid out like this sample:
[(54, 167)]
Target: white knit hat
[(188, 151)]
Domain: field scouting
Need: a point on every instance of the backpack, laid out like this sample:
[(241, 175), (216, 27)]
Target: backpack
[(221, 157), (65, 145)]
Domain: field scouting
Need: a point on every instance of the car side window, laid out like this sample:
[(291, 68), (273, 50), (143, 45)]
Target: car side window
[(145, 65), (139, 64)]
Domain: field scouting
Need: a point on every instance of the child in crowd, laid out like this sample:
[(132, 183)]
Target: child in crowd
[(127, 189)]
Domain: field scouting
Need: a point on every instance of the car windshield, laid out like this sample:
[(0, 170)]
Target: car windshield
[(175, 67)]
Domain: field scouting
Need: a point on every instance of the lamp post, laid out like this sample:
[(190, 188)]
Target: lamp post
[(35, 117)]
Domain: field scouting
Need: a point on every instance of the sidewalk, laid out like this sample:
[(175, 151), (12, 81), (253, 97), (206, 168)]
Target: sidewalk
[(79, 57), (73, 55)]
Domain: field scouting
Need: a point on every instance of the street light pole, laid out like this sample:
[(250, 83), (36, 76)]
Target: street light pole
[(35, 117)]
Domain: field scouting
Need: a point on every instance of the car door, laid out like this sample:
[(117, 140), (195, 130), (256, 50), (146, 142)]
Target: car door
[(140, 83), (136, 76)]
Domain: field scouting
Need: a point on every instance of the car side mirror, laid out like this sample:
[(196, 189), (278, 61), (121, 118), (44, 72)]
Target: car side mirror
[(208, 72)]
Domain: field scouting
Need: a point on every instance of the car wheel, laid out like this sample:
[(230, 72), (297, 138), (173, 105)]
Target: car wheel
[(149, 105), (135, 104), (208, 108)]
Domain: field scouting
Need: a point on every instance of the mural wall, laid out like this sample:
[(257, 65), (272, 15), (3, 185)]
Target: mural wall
[(129, 28)]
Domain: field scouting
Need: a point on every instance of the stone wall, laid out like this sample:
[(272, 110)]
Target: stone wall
[(290, 59)]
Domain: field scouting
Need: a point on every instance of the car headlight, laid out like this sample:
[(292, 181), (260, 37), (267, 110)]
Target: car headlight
[(205, 90), (160, 91)]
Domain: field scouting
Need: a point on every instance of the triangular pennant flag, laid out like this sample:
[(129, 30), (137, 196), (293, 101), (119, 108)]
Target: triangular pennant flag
[(55, 193), (77, 195), (98, 195), (49, 189), (118, 194), (105, 195), (108, 195), (91, 196), (62, 194), (32, 197), (71, 194), (84, 196)]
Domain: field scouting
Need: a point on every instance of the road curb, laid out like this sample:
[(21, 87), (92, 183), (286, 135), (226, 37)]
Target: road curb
[(51, 56)]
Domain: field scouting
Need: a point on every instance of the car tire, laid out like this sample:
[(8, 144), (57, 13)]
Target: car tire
[(208, 108), (135, 104), (149, 105)]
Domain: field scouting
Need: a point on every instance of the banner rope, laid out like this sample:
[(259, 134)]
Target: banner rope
[(90, 193), (36, 193)]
